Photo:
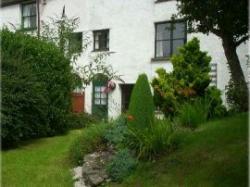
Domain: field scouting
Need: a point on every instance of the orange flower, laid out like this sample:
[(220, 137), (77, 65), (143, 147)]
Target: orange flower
[(130, 118)]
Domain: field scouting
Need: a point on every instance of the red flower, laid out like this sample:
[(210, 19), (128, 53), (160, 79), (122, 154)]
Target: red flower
[(130, 118)]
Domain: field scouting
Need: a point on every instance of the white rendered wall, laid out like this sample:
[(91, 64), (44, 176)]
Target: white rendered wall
[(132, 38)]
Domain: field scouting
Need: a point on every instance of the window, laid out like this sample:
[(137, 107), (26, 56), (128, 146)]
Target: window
[(169, 37), (29, 16), (75, 43), (100, 97), (101, 40)]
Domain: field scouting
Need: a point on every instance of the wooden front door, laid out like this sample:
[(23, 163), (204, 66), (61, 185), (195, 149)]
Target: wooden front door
[(100, 98)]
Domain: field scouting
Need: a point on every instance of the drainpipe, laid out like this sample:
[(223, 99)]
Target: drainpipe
[(38, 17)]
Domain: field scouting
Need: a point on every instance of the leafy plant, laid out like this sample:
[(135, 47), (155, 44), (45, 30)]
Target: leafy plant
[(189, 79), (193, 113), (150, 141), (217, 17), (80, 120), (141, 106), (235, 97), (40, 67), (121, 165), (117, 132), (91, 139)]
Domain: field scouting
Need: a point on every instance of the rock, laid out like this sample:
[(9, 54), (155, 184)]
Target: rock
[(80, 183), (77, 173), (94, 168)]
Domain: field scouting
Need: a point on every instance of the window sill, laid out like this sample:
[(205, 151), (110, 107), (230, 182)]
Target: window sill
[(162, 1), (100, 50), (160, 59), (28, 29)]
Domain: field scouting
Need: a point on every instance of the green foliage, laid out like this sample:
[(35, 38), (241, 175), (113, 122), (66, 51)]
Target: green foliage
[(24, 108), (91, 139), (191, 69), (193, 113), (149, 142), (80, 120), (121, 165), (217, 16), (116, 134), (235, 97), (46, 77), (216, 107), (141, 106), (188, 80)]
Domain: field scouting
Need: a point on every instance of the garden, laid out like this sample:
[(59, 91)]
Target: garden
[(195, 142)]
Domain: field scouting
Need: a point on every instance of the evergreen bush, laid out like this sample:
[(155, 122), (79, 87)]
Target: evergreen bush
[(37, 82), (141, 106)]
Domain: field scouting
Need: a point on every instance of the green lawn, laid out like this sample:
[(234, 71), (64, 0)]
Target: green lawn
[(41, 162), (214, 156)]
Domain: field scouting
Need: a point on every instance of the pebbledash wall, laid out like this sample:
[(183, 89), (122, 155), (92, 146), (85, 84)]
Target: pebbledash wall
[(131, 25)]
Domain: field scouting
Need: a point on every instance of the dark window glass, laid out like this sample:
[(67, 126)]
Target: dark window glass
[(75, 43), (29, 16), (101, 40), (169, 37)]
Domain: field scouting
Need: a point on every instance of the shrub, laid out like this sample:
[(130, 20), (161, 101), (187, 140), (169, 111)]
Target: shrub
[(117, 132), (193, 113), (189, 78), (24, 108), (236, 99), (149, 142), (121, 165), (44, 66), (91, 139), (80, 120), (216, 107), (141, 106)]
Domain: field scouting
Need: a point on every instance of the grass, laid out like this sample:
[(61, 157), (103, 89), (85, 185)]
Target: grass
[(213, 155), (41, 162)]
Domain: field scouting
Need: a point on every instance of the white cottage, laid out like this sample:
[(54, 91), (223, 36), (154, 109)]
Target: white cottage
[(132, 30)]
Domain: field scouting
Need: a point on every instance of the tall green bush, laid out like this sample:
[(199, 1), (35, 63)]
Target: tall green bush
[(141, 106), (44, 76), (189, 79)]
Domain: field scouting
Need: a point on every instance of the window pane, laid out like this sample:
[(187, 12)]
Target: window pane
[(163, 31), (29, 10), (163, 49), (97, 95), (177, 44), (33, 9), (103, 101), (33, 21), (179, 30), (97, 101), (75, 43), (26, 22), (103, 88), (101, 40), (103, 95), (97, 88)]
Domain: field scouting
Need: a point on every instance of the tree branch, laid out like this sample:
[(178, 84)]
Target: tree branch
[(244, 38), (216, 32)]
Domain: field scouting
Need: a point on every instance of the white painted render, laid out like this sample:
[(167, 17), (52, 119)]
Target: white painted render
[(132, 38)]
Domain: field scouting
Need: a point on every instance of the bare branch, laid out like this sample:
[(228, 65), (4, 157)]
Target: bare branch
[(243, 39)]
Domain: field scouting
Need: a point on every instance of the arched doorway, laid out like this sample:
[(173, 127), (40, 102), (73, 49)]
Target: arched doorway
[(99, 97)]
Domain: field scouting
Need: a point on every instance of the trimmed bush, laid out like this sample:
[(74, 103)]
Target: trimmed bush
[(141, 106), (121, 165), (37, 81), (91, 139)]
